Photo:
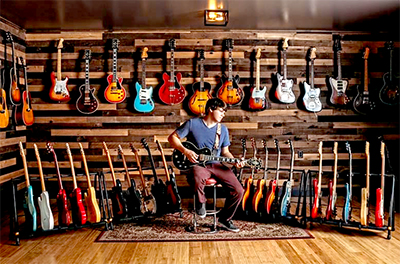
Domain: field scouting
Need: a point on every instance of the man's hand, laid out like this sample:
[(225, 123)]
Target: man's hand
[(191, 155), (240, 164)]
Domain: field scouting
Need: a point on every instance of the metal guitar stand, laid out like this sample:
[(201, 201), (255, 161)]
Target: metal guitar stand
[(103, 201)]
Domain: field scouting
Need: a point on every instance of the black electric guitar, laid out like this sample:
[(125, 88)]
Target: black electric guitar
[(389, 93)]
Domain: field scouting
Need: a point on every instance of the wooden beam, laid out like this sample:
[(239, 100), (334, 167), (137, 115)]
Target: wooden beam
[(90, 132)]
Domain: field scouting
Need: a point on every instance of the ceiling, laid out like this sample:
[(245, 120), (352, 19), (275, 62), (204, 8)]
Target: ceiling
[(340, 15)]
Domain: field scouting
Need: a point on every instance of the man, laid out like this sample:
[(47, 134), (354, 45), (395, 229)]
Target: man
[(208, 132)]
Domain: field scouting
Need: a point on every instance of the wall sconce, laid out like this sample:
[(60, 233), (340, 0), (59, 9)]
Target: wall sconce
[(216, 17)]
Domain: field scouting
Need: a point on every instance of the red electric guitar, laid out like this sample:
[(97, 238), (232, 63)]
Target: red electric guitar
[(316, 208), (380, 194), (115, 92), (273, 184), (59, 88), (258, 101)]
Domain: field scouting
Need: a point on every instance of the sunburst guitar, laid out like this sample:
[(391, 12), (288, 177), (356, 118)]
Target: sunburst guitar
[(115, 92)]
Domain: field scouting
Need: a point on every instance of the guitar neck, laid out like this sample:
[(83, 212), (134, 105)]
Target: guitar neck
[(284, 65), (335, 167), (172, 72), (312, 75), (278, 165), (14, 60), (25, 164), (60, 185), (144, 73), (163, 160), (86, 166), (230, 78), (258, 75), (71, 162), (40, 168), (202, 76), (366, 79), (59, 64), (128, 177), (204, 157), (114, 65), (391, 66), (383, 169), (87, 85), (339, 66)]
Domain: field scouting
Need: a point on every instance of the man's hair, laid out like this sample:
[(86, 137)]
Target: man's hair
[(214, 103)]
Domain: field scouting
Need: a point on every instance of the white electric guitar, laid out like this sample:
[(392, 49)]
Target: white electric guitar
[(284, 92), (311, 99)]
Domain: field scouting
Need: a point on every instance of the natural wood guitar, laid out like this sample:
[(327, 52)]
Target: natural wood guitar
[(4, 113), (316, 208), (331, 208), (14, 91), (365, 191)]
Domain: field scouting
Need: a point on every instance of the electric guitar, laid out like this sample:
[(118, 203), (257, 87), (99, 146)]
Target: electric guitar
[(261, 182), (198, 101), (143, 101), (230, 92), (331, 209), (362, 102), (284, 90), (365, 191), (14, 91), (244, 151), (92, 207), (258, 101), (311, 96), (248, 186), (4, 114), (172, 92), (64, 217), (78, 210), (380, 194), (174, 199), (273, 184), (287, 185), (389, 93), (29, 190), (316, 208), (27, 112), (349, 188), (120, 209), (148, 202), (59, 88), (87, 103), (338, 86), (46, 215), (115, 92)]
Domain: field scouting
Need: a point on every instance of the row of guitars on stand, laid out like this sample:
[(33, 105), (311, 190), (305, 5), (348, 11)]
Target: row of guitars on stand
[(126, 204)]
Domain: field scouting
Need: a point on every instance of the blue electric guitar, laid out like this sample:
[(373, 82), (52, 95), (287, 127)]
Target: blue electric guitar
[(143, 101), (348, 187), (287, 185)]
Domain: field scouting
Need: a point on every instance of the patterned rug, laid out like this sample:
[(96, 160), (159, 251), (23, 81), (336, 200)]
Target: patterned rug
[(173, 228)]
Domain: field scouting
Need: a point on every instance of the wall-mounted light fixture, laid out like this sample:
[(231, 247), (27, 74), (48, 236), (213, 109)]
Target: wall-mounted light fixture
[(216, 17)]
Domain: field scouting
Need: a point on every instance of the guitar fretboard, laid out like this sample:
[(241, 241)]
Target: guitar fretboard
[(230, 66), (172, 74), (203, 157), (114, 65), (284, 65), (144, 73)]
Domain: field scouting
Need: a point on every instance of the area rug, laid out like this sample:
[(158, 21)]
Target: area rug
[(172, 227)]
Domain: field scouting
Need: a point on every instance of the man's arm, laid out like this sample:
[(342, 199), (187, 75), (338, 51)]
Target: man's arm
[(176, 143), (226, 153)]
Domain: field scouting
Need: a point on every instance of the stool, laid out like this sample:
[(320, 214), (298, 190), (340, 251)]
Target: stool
[(213, 228)]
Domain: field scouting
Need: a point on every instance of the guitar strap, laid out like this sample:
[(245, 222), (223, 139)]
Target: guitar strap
[(217, 136)]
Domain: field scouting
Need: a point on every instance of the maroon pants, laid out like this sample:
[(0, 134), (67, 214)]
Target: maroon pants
[(197, 179)]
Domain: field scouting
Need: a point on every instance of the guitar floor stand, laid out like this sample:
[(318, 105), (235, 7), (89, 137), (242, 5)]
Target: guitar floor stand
[(14, 226), (103, 201), (293, 218)]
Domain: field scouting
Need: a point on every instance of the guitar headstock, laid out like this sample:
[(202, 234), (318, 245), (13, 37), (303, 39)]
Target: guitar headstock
[(389, 45), (264, 144), (337, 45), (382, 149), (50, 147), (22, 62), (172, 44), (88, 54), (201, 55), (134, 150), (144, 144), (115, 44), (229, 44), (254, 146), (60, 43), (313, 53), (36, 149), (68, 150), (278, 149), (120, 151), (258, 55), (81, 149), (335, 147), (348, 147), (291, 146), (144, 53), (106, 148), (320, 148), (9, 37), (367, 148), (366, 53), (285, 44), (21, 149), (244, 148)]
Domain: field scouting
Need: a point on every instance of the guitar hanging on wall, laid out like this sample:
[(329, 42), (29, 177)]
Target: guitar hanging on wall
[(389, 93), (258, 101), (311, 96), (115, 92), (14, 91), (143, 101), (4, 113), (59, 88), (284, 90), (24, 114)]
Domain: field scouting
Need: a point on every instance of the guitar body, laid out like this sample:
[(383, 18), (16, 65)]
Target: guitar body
[(46, 216), (284, 90), (258, 194), (59, 89), (148, 205), (270, 197), (15, 92), (346, 207), (78, 210), (331, 202), (315, 209), (31, 206), (64, 217), (389, 93), (257, 100), (120, 208), (27, 111), (172, 92), (198, 101), (285, 200), (92, 207), (364, 206), (362, 103), (247, 193), (86, 104), (379, 215), (172, 192), (338, 95), (311, 99), (4, 113), (143, 100), (133, 199), (230, 92), (115, 92)]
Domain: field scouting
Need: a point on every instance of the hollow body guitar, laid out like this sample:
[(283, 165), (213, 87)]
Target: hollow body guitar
[(258, 101), (287, 185), (14, 90), (316, 208), (87, 103), (284, 90), (273, 184), (4, 113), (59, 88), (115, 92), (143, 100)]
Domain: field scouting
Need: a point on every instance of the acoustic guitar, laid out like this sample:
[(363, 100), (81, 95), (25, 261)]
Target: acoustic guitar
[(26, 112), (380, 193), (13, 91), (311, 96), (287, 185), (4, 113), (284, 90), (87, 103), (364, 214), (389, 93), (331, 208), (143, 101), (261, 182), (115, 92), (316, 207), (257, 100), (59, 88), (273, 184)]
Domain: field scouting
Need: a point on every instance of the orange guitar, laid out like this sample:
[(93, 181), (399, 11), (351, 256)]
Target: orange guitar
[(59, 88), (261, 182), (27, 112), (14, 91), (4, 114), (115, 92), (273, 184), (248, 185)]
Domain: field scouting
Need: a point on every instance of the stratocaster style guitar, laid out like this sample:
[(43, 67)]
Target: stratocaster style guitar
[(198, 101), (389, 93), (349, 188), (29, 191), (172, 92), (362, 102), (316, 208), (311, 96), (143, 101), (115, 92), (248, 186), (338, 86), (4, 114), (46, 215), (257, 100), (78, 210), (13, 91), (331, 209), (365, 191), (27, 112), (284, 90), (380, 193), (87, 103), (59, 88), (148, 202), (287, 185), (261, 182), (92, 207), (273, 184), (230, 92), (64, 217)]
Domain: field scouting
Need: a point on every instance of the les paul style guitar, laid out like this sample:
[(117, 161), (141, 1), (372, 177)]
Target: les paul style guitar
[(230, 92), (349, 188), (87, 103), (380, 194), (59, 88), (273, 184), (284, 90), (331, 209), (287, 185), (198, 101), (4, 114), (172, 92), (316, 208), (389, 93), (311, 96), (115, 92), (365, 191), (14, 91), (261, 182), (24, 113), (258, 101), (143, 101)]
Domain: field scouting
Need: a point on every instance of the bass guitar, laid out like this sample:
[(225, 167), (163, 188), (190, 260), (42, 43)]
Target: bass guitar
[(316, 208), (389, 93), (287, 185), (365, 191), (87, 103), (338, 86), (29, 191), (26, 112), (78, 210), (284, 90), (380, 194), (311, 96), (92, 207), (46, 215), (13, 91), (198, 101), (172, 92), (257, 100), (230, 92), (4, 114), (59, 88), (64, 217), (248, 186), (143, 101), (331, 209), (349, 188), (115, 92), (261, 182), (148, 202), (273, 184)]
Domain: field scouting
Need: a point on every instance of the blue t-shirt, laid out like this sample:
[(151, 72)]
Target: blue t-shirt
[(196, 131)]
